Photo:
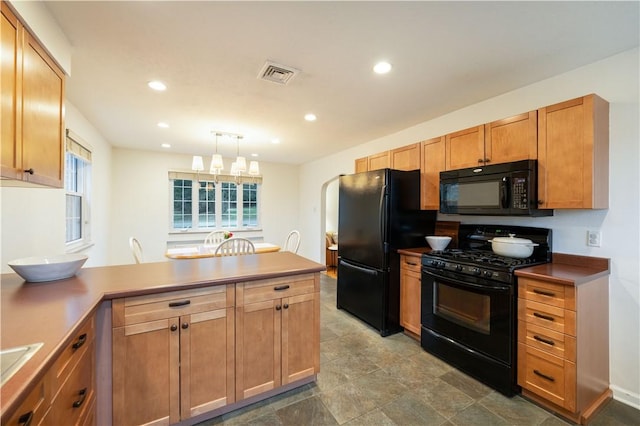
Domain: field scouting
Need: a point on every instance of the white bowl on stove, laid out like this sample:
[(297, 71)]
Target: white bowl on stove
[(438, 242)]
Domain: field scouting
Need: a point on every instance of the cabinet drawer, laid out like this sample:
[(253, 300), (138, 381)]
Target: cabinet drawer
[(34, 406), (152, 307), (276, 288), (76, 394), (548, 376), (553, 342), (410, 263), (552, 317), (69, 358), (558, 295)]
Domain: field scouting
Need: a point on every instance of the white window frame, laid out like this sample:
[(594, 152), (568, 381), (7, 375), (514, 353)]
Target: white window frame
[(217, 180), (82, 151)]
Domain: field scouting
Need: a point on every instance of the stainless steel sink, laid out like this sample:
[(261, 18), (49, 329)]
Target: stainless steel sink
[(13, 358)]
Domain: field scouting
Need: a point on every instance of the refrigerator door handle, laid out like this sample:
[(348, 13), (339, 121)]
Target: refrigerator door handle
[(359, 268), (383, 214)]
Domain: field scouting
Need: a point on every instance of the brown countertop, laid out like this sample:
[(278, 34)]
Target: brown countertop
[(50, 312), (568, 269), (416, 251)]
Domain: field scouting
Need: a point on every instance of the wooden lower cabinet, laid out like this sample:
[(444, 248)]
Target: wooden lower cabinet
[(278, 333), (173, 355), (563, 342), (410, 294)]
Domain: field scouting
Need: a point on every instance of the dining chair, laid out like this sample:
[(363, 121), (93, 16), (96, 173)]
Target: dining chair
[(214, 238), (235, 246), (136, 249), (292, 242)]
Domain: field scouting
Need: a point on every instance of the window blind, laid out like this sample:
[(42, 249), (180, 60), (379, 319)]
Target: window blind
[(78, 147)]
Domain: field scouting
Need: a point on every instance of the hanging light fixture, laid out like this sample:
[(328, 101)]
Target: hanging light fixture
[(217, 165), (197, 165), (254, 168), (241, 162)]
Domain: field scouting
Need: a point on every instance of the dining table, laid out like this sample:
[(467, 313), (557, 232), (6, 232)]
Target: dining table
[(199, 251)]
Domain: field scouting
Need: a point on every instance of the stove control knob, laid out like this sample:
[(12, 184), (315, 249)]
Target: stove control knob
[(475, 271), (488, 274), (441, 265), (458, 268)]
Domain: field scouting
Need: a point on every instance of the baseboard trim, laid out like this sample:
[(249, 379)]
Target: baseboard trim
[(626, 397)]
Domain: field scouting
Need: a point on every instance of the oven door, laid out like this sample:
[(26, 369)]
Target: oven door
[(473, 312)]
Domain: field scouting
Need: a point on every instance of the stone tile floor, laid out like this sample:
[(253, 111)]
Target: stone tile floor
[(368, 380)]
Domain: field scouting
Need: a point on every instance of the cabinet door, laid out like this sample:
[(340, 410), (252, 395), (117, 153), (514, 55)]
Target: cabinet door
[(378, 161), (42, 121), (573, 154), (433, 162), (465, 148), (362, 165), (207, 345), (146, 368), (512, 139), (258, 346), (300, 337), (406, 157), (410, 294), (11, 68)]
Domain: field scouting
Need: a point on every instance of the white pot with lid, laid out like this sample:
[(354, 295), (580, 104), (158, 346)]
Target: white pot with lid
[(512, 247)]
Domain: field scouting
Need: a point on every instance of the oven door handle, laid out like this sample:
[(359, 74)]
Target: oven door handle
[(461, 283)]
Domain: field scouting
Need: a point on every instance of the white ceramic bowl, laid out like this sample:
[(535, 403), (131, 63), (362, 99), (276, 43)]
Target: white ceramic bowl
[(48, 268), (438, 243)]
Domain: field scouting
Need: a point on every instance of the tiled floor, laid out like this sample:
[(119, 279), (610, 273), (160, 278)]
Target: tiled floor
[(369, 380)]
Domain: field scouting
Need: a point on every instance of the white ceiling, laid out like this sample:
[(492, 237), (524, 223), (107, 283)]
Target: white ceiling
[(445, 56)]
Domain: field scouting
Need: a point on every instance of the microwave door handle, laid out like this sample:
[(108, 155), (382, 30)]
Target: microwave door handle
[(504, 192)]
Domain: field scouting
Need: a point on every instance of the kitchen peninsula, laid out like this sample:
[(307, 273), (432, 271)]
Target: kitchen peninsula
[(143, 319)]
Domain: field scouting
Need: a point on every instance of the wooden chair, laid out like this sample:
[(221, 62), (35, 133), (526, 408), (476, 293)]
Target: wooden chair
[(214, 238), (234, 247), (292, 243), (136, 249)]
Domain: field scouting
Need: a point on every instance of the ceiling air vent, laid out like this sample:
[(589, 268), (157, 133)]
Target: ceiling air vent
[(277, 73)]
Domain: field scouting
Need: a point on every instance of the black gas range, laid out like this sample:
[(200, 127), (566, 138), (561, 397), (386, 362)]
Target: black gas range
[(469, 297)]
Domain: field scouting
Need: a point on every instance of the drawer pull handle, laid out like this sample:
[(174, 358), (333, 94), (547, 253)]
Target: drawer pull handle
[(30, 171), (286, 306), (543, 340), (176, 304), (26, 418), (544, 293), (544, 317), (185, 325), (281, 287), (81, 341), (278, 307), (83, 395), (411, 263), (544, 376), (174, 327)]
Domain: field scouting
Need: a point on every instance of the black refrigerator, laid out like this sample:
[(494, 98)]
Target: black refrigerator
[(378, 213)]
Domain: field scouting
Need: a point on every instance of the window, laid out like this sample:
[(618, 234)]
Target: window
[(207, 202), (77, 183)]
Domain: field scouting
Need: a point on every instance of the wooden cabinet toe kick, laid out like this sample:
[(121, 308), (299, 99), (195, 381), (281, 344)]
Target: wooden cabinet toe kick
[(582, 418)]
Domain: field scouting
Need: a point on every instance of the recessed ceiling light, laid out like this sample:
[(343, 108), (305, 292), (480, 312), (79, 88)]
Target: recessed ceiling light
[(165, 145), (163, 125), (254, 155), (310, 117), (157, 85), (382, 67), (275, 140)]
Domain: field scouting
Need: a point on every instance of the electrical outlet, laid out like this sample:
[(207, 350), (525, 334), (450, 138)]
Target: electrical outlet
[(594, 238)]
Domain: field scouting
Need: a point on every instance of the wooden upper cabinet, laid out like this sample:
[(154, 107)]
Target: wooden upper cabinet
[(32, 108), (406, 157), (573, 154), (382, 160), (465, 148), (433, 162), (362, 165), (512, 139)]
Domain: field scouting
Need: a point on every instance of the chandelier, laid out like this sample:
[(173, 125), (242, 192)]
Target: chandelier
[(238, 167)]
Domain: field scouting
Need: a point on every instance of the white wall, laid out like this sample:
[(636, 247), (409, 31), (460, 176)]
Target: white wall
[(140, 200), (331, 220), (616, 80), (33, 219)]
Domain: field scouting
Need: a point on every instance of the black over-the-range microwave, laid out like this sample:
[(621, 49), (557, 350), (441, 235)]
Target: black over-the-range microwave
[(507, 189)]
